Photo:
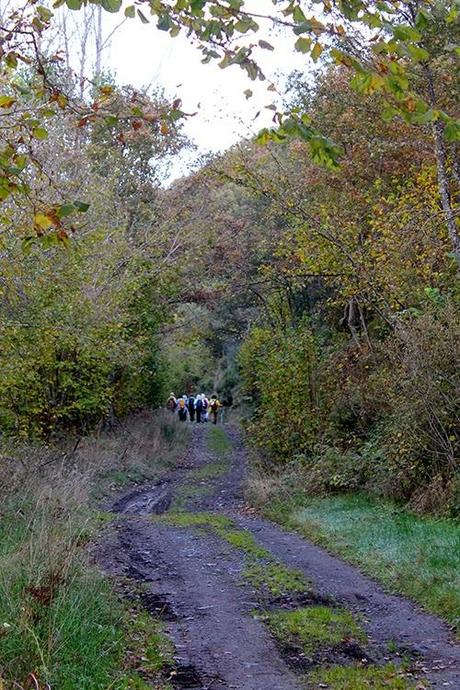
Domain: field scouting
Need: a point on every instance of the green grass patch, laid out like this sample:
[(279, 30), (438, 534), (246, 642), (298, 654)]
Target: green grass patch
[(76, 632), (223, 526), (276, 578), (148, 650), (242, 539), (262, 570), (218, 441), (70, 633), (212, 470), (359, 678), (210, 520), (417, 556), (315, 627)]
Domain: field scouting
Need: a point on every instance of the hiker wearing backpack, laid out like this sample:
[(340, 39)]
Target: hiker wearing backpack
[(182, 410), (214, 406), (191, 407), (171, 405), (198, 408), (204, 414)]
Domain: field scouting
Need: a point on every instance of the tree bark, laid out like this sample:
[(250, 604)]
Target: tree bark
[(443, 174)]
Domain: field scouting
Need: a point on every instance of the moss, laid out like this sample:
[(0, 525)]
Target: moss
[(211, 470), (242, 539), (314, 628), (223, 526), (218, 441), (357, 678), (210, 520), (276, 578)]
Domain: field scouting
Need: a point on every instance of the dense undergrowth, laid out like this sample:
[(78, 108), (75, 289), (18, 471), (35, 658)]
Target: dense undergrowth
[(61, 621), (380, 417)]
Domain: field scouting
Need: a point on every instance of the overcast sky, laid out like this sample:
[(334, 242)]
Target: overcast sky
[(140, 54)]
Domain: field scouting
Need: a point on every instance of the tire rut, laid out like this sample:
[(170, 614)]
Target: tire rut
[(193, 582)]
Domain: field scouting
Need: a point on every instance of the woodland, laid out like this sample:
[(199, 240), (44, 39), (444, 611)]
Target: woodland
[(307, 275), (326, 249)]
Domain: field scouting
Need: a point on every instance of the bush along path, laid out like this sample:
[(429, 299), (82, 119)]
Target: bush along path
[(244, 605)]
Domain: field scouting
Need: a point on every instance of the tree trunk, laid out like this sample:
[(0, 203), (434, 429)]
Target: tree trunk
[(443, 174)]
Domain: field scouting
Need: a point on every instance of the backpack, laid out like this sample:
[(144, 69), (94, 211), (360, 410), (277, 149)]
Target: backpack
[(214, 405), (205, 404), (182, 403), (199, 404)]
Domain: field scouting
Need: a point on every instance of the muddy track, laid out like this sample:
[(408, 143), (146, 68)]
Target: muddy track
[(194, 581)]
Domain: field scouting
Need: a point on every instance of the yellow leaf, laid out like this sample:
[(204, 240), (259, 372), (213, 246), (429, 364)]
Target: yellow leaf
[(316, 51), (44, 222)]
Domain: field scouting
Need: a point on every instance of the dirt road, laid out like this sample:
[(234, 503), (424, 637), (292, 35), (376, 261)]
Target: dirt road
[(219, 578)]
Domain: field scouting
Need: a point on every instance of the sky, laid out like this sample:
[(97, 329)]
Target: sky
[(142, 55)]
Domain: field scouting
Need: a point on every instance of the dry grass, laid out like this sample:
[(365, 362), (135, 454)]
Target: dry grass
[(48, 591), (259, 491)]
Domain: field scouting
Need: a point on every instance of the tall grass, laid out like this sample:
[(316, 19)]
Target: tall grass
[(60, 623)]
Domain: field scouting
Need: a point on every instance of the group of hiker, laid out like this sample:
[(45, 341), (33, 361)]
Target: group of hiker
[(197, 408)]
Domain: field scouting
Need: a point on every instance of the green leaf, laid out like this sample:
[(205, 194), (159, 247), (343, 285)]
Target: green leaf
[(372, 20), (21, 161), (111, 5), (65, 210), (389, 113), (27, 244), (130, 12), (452, 130), (397, 84), (453, 14), (43, 221), (40, 133), (303, 44), (263, 137), (422, 19), (81, 206), (265, 45), (45, 13), (303, 28), (424, 118), (404, 32), (245, 24), (142, 17), (164, 23), (417, 53), (111, 120), (11, 60), (367, 83), (7, 101), (74, 4), (298, 15)]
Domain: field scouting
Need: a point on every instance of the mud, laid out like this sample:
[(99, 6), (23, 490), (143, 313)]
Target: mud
[(194, 582)]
